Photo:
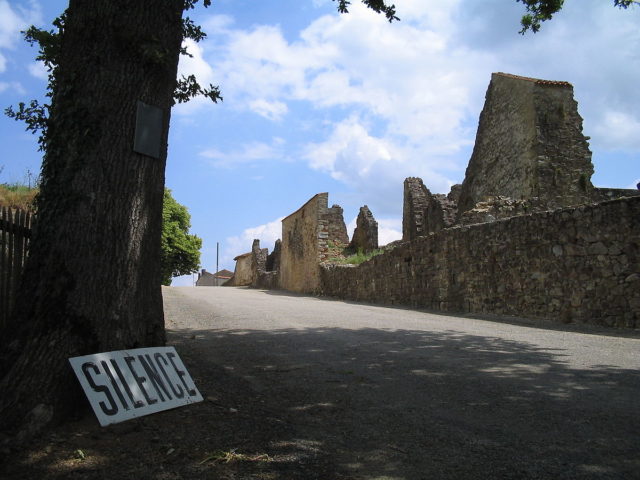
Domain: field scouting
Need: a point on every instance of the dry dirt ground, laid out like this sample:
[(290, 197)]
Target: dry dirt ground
[(299, 397)]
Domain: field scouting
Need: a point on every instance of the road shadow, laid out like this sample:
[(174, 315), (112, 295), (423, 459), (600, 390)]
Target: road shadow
[(340, 403), (408, 404)]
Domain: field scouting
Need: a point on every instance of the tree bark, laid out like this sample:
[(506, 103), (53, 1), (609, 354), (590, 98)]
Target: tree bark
[(92, 281)]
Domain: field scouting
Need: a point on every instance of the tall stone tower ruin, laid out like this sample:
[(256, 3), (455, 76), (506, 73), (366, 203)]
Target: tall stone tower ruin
[(529, 145)]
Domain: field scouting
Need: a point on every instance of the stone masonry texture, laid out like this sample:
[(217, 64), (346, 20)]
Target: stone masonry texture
[(304, 245), (578, 264), (259, 258), (336, 228), (365, 235), (529, 144), (243, 274), (273, 259), (422, 213)]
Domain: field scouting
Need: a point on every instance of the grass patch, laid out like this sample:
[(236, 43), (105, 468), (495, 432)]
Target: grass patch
[(360, 257), (15, 195), (342, 255), (232, 456)]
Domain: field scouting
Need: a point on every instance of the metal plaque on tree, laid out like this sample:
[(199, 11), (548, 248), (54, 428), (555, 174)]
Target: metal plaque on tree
[(148, 134)]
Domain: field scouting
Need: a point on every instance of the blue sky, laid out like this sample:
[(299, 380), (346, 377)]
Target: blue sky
[(349, 104)]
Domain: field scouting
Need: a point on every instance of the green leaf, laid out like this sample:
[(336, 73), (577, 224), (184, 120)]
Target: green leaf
[(180, 250)]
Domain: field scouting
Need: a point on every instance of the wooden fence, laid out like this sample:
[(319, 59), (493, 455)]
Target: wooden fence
[(15, 235)]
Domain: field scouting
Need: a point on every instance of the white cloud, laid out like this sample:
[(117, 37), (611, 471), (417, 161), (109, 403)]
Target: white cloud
[(350, 153), (248, 154), (217, 24), (374, 166), (12, 21), (619, 130), (405, 79), (16, 86), (10, 25), (389, 229), (320, 3), (195, 64), (269, 110), (403, 99), (198, 66), (38, 70)]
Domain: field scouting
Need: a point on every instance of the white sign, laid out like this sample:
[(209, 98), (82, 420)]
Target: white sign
[(132, 383)]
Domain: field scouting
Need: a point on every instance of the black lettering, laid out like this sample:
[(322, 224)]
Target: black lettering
[(181, 374), (154, 376), (113, 409), (135, 402), (179, 393), (114, 384), (139, 380)]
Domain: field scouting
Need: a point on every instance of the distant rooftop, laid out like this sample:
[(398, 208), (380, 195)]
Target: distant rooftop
[(224, 274), (537, 81)]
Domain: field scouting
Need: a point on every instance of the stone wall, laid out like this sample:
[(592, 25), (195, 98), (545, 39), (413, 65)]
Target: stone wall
[(249, 266), (258, 258), (304, 235), (365, 235), (602, 194), (529, 144), (267, 281), (336, 228), (421, 213), (243, 274), (496, 208), (448, 205), (577, 264), (273, 259)]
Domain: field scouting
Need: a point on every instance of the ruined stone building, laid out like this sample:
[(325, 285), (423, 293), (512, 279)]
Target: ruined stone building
[(525, 234), (425, 213), (529, 145), (306, 234)]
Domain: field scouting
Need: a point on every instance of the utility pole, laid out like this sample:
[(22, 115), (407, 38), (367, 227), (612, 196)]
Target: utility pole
[(217, 257)]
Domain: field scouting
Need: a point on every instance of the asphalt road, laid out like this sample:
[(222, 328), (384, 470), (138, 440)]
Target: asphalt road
[(354, 391)]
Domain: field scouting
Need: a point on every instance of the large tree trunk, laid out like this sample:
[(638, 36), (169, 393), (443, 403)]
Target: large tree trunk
[(92, 282)]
